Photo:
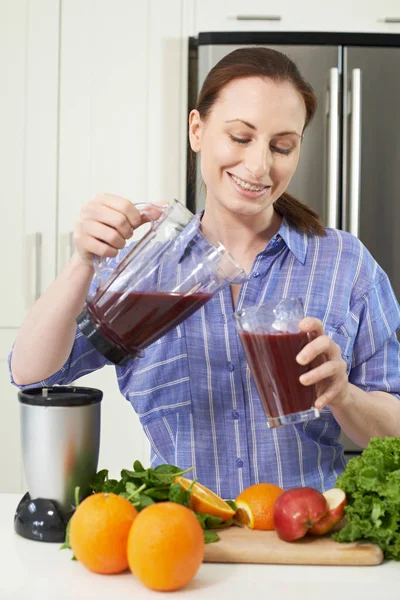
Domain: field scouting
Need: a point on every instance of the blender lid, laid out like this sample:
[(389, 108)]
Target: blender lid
[(60, 395)]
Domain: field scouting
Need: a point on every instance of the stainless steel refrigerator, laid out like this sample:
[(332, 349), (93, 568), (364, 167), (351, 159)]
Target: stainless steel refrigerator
[(349, 170)]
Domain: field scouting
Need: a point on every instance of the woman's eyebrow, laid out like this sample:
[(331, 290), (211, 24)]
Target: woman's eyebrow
[(242, 121), (288, 133), (281, 133)]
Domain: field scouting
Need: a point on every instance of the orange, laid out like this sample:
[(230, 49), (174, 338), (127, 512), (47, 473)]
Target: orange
[(165, 546), (99, 530), (256, 504), (203, 500)]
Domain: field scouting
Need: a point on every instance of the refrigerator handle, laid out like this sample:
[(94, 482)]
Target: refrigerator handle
[(355, 152), (333, 149)]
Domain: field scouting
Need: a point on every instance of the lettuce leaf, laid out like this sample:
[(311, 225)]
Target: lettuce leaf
[(371, 482)]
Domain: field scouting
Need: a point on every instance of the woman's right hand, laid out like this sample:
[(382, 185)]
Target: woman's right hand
[(105, 223)]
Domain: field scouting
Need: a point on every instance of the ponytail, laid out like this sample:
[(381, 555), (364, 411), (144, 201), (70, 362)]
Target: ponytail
[(299, 215)]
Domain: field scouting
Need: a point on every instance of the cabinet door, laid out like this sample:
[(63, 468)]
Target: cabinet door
[(167, 129), (122, 106), (309, 15), (120, 133), (28, 151), (103, 107), (11, 480)]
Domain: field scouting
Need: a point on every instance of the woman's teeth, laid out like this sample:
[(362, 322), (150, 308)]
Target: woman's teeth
[(247, 186)]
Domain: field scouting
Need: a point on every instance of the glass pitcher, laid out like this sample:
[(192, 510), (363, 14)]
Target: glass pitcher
[(163, 279)]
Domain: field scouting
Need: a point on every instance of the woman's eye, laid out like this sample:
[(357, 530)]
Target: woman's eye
[(239, 140), (285, 151)]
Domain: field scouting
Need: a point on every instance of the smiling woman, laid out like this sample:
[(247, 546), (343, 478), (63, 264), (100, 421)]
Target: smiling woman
[(193, 390), (260, 104)]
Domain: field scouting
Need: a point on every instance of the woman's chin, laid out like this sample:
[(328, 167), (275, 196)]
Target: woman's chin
[(245, 207)]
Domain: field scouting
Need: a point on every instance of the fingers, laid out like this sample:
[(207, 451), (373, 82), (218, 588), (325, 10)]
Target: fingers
[(330, 369), (104, 233), (322, 345), (114, 211), (88, 244), (106, 222), (334, 393), (128, 209), (312, 326)]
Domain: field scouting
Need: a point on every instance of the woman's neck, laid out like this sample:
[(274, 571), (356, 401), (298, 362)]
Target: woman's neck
[(242, 235)]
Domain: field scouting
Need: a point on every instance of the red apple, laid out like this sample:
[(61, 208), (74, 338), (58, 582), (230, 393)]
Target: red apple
[(336, 499), (296, 510)]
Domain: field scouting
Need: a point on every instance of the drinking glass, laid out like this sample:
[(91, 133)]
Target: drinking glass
[(271, 339)]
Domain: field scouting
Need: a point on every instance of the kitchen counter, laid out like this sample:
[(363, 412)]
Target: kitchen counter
[(40, 571)]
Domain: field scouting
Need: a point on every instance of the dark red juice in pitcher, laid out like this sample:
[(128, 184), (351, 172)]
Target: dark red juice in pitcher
[(272, 361), (140, 318)]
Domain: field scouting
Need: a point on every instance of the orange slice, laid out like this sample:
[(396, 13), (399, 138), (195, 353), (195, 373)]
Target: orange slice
[(204, 500), (255, 506)]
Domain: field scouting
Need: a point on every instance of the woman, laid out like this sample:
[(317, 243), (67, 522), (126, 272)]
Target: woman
[(192, 390)]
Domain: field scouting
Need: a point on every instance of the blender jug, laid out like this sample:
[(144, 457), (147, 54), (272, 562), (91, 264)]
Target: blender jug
[(161, 281)]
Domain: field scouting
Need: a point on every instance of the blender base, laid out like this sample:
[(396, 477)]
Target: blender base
[(41, 520)]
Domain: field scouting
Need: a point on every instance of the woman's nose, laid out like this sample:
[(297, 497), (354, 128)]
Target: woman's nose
[(258, 161)]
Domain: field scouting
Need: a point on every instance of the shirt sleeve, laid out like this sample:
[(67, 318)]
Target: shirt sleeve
[(82, 360), (376, 350)]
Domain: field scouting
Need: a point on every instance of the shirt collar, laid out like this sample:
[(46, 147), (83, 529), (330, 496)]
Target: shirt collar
[(295, 240)]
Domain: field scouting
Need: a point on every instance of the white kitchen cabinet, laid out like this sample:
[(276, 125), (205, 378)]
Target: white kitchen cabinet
[(28, 151), (103, 106), (89, 108), (121, 105), (119, 133), (288, 15), (28, 156)]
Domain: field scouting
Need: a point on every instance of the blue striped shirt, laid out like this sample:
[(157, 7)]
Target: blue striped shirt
[(193, 391)]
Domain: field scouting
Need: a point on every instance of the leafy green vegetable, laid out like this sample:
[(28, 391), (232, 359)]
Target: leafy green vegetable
[(371, 482), (210, 536), (179, 495), (66, 545), (143, 487), (231, 504)]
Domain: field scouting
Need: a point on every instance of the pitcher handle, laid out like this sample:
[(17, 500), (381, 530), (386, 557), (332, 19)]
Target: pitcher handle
[(100, 263)]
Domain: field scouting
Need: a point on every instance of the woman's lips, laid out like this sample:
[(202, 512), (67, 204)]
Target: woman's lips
[(247, 193)]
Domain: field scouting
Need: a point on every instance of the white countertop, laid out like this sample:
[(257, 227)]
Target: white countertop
[(40, 571)]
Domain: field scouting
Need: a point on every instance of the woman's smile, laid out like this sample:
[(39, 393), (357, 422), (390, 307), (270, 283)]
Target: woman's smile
[(248, 189)]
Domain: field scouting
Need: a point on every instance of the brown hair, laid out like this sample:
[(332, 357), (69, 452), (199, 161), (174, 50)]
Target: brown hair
[(274, 65)]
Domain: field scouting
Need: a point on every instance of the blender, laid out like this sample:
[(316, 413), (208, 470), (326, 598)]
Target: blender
[(60, 438)]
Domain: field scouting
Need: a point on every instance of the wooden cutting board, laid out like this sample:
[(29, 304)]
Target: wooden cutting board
[(242, 545)]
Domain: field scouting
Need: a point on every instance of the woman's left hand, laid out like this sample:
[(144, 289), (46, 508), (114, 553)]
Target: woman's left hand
[(328, 369)]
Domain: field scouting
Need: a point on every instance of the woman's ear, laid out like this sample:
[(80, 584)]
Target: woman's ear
[(195, 130)]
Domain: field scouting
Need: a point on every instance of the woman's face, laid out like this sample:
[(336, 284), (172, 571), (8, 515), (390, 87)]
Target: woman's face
[(249, 144)]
